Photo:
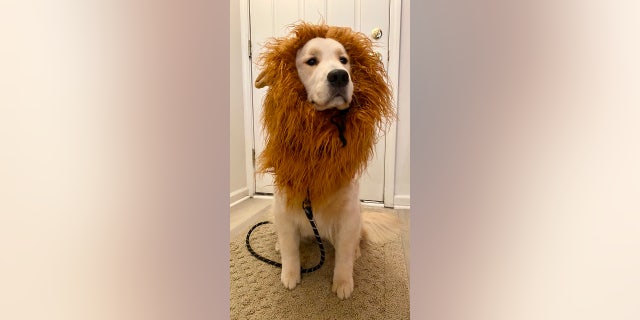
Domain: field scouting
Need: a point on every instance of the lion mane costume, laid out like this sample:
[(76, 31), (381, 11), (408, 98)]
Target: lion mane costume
[(313, 153)]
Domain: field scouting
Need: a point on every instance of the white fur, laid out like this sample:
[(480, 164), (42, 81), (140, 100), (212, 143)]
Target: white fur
[(342, 223)]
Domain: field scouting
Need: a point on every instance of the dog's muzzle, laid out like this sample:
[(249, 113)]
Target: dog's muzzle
[(338, 80)]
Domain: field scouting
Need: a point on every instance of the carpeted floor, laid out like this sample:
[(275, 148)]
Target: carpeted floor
[(380, 275)]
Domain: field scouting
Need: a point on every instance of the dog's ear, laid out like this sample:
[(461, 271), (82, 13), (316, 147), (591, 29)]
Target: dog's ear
[(262, 80)]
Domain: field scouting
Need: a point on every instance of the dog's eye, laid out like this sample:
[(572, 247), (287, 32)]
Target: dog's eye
[(312, 62), (343, 60)]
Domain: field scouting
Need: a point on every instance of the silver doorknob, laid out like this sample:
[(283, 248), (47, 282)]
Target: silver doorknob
[(376, 33)]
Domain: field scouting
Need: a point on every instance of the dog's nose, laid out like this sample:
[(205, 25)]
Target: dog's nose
[(338, 78)]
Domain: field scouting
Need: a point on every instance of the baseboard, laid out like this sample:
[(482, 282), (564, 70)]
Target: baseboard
[(238, 195), (401, 201)]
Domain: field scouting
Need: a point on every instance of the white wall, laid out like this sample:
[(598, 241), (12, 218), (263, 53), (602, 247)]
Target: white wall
[(238, 175), (402, 184)]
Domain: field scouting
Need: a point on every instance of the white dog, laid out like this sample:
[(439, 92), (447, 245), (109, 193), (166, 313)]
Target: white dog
[(324, 68)]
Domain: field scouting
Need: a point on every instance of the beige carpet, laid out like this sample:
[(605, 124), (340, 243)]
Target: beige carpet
[(380, 275)]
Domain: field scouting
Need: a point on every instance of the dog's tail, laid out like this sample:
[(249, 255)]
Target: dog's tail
[(380, 227)]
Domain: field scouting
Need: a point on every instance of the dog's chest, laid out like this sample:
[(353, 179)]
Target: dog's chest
[(326, 227)]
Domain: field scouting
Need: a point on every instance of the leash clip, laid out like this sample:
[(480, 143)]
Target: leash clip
[(306, 206)]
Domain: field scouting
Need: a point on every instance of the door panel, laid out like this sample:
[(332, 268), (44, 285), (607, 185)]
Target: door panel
[(271, 18), (314, 10), (343, 13)]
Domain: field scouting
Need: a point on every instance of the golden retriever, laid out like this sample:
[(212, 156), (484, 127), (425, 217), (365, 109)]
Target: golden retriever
[(327, 98)]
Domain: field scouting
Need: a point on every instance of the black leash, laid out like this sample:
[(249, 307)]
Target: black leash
[(306, 206)]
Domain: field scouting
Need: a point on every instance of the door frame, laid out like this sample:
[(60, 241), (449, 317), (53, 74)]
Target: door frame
[(395, 16)]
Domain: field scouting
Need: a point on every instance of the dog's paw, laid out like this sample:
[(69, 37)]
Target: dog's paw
[(342, 287), (290, 278)]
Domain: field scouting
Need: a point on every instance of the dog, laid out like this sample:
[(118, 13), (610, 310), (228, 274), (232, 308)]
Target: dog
[(328, 99)]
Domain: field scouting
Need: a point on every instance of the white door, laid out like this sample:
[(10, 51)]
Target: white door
[(271, 18)]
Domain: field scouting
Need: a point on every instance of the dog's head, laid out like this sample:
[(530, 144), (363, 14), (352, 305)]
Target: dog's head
[(324, 69), (326, 66)]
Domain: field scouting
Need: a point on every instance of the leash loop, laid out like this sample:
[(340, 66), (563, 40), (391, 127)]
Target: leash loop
[(306, 206)]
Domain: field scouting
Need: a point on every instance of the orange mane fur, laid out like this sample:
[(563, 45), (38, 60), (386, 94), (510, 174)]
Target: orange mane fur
[(303, 149)]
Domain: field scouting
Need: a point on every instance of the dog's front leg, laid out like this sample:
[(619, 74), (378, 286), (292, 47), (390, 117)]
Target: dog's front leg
[(289, 251), (289, 241), (346, 247), (343, 272)]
